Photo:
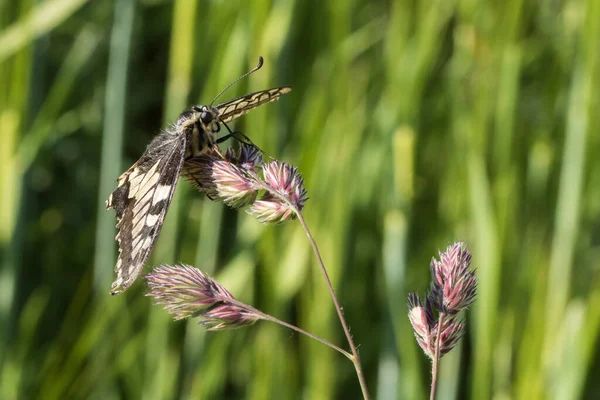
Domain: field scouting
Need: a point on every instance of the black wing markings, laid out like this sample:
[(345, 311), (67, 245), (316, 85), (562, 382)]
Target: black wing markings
[(241, 105), (141, 202)]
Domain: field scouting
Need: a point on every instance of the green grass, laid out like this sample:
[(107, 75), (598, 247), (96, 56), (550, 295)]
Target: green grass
[(414, 124)]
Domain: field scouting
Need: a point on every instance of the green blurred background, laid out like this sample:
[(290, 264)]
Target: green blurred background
[(414, 124)]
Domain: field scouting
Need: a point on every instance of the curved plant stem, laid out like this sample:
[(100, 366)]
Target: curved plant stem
[(355, 358), (436, 357), (267, 317)]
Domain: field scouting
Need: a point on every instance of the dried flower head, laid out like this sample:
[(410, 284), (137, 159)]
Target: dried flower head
[(186, 292), (453, 289)]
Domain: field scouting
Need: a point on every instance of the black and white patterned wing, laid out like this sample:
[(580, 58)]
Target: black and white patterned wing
[(141, 202), (237, 107)]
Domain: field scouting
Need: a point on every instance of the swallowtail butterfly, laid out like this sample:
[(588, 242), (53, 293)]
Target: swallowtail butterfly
[(145, 190)]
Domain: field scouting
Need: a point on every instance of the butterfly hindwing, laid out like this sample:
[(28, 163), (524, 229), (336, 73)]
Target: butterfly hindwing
[(141, 201), (237, 107)]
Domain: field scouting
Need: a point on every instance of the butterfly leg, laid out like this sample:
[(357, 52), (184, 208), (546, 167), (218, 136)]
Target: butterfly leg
[(236, 135), (242, 138)]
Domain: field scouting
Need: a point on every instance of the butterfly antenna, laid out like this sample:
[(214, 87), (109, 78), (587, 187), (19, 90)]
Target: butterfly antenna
[(260, 64)]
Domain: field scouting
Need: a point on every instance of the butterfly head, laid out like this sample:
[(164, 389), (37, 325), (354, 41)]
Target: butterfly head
[(207, 118)]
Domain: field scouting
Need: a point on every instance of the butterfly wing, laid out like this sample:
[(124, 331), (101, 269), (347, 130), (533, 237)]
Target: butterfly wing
[(237, 107), (141, 201)]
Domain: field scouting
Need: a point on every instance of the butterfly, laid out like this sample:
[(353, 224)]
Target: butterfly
[(144, 192)]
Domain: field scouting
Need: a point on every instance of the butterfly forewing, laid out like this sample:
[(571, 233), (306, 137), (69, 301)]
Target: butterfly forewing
[(237, 107), (145, 190), (141, 201)]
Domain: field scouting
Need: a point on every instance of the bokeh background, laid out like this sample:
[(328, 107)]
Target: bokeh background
[(414, 124)]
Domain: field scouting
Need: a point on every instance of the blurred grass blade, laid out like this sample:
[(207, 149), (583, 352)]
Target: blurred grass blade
[(10, 187), (582, 109), (40, 133), (567, 210), (14, 372), (115, 101), (112, 140), (487, 260), (162, 365), (42, 19), (572, 334), (206, 260), (410, 379)]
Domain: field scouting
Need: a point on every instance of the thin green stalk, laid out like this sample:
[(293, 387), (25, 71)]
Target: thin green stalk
[(355, 356), (436, 357), (287, 325)]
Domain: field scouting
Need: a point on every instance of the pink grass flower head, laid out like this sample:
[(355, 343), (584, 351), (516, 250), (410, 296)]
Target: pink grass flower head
[(237, 178), (422, 320), (285, 194), (453, 330), (225, 178), (248, 158), (186, 292), (453, 289), (453, 286)]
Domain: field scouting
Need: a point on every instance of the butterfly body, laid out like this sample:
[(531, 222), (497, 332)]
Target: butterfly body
[(199, 135), (144, 192)]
